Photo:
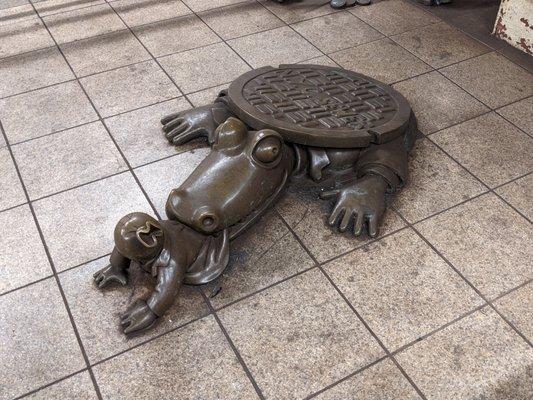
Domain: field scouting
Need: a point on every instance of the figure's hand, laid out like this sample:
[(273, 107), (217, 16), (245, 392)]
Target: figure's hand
[(110, 274), (137, 318), (185, 126), (362, 201)]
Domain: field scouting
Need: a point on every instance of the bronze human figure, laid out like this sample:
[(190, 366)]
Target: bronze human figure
[(341, 132)]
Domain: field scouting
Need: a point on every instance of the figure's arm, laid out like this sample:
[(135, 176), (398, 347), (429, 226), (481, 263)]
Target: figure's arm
[(144, 313), (184, 126), (114, 272)]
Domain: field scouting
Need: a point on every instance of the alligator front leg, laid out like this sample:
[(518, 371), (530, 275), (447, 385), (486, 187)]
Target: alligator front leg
[(359, 203)]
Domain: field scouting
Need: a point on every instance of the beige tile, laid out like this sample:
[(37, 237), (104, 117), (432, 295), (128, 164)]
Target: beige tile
[(520, 194), (159, 178), (489, 147), (19, 11), (261, 256), (23, 36), (44, 111), (67, 159), (197, 69), (139, 134), (96, 311), (518, 308), (38, 342), (102, 53), (383, 60), (322, 60), (191, 362), (83, 23), (202, 5), (294, 11), (48, 7), (435, 183), (306, 214), (486, 240), (207, 96), (479, 357), (274, 47), (440, 44), (79, 387), (139, 12), (379, 382), (402, 288), (32, 71), (520, 114), (22, 256), (78, 224), (393, 16), (492, 78), (175, 35), (240, 19), (130, 87), (437, 102), (298, 336), (336, 31), (10, 185)]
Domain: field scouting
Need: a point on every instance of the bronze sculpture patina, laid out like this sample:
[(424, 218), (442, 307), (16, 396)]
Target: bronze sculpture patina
[(342, 132)]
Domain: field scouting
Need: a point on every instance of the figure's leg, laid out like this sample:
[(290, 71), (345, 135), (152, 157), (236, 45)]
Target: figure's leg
[(114, 272)]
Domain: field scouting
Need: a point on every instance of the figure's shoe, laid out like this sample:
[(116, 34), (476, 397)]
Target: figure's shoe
[(348, 3)]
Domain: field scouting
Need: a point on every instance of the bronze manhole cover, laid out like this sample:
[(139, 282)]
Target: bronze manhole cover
[(319, 106)]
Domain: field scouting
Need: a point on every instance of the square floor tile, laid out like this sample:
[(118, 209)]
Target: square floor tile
[(159, 178), (67, 159), (440, 44), (393, 16), (83, 23), (437, 102), (102, 53), (10, 186), (402, 299), (486, 240), (22, 256), (336, 31), (381, 381), (49, 7), (492, 78), (32, 71), (294, 11), (202, 5), (275, 330), (205, 67), (78, 224), (435, 183), (520, 114), (306, 214), (175, 35), (130, 87), (207, 96), (96, 311), (322, 60), (140, 12), (240, 19), (38, 342), (192, 362), (518, 308), (79, 386), (489, 147), (261, 256), (274, 47), (139, 134), (478, 357), (520, 194), (44, 111), (23, 36), (383, 60), (18, 11)]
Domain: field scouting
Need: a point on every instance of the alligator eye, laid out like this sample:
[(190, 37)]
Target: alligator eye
[(267, 150)]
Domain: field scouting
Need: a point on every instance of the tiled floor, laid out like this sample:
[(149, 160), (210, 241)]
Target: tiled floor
[(439, 307)]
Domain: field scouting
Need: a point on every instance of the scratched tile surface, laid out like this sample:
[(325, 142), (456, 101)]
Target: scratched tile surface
[(437, 306)]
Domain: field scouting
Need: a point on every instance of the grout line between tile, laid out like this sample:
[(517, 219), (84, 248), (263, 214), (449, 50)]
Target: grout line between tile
[(49, 384)]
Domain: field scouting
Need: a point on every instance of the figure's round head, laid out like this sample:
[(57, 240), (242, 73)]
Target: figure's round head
[(138, 236)]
